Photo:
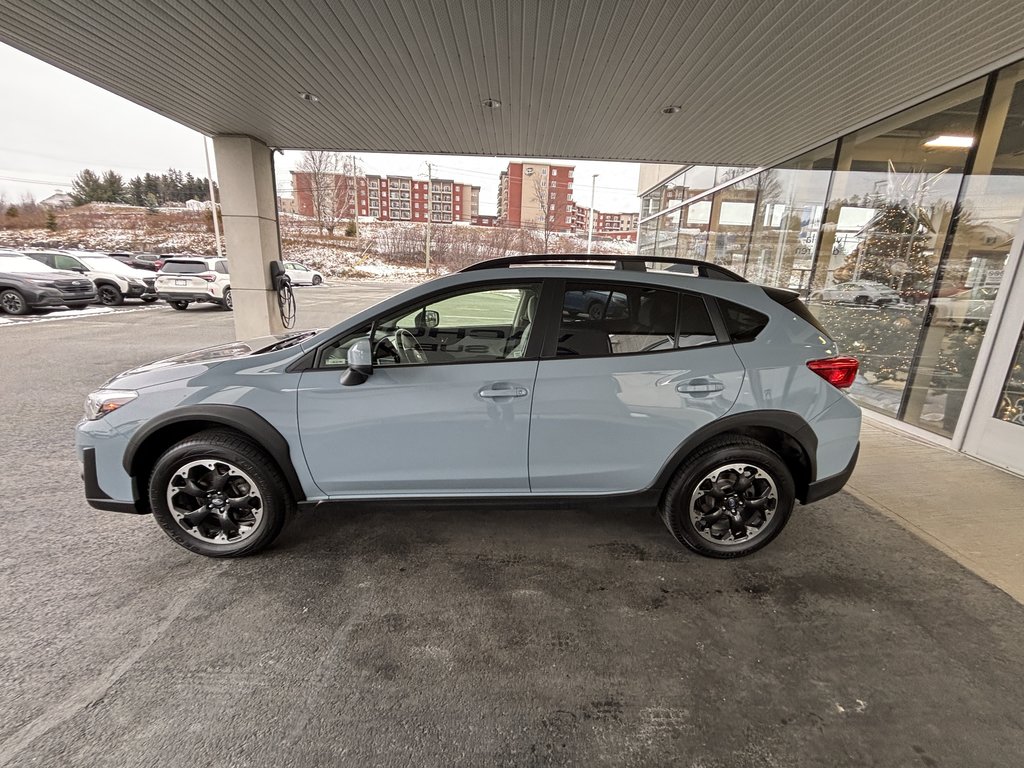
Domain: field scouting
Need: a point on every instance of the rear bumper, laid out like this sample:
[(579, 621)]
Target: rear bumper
[(827, 486), (187, 296), (95, 496)]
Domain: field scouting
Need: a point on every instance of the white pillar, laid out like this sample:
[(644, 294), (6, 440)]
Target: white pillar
[(248, 200)]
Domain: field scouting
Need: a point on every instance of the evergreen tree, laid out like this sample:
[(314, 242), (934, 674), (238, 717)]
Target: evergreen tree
[(150, 186), (112, 188), (86, 187), (894, 250), (51, 220), (151, 203), (136, 196)]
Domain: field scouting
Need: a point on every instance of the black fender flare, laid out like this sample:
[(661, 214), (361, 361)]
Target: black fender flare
[(236, 417), (786, 422)]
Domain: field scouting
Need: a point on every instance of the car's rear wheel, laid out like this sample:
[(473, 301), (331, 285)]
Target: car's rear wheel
[(317, 279), (148, 299), (177, 304), (862, 300), (227, 302), (733, 496), (219, 494), (595, 311), (12, 302), (110, 295)]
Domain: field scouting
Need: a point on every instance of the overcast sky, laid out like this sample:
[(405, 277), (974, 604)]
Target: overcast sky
[(54, 125)]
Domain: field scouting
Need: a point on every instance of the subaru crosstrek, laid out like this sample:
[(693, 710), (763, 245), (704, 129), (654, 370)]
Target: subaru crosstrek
[(718, 401)]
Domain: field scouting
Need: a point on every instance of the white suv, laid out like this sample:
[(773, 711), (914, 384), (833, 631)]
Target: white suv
[(115, 281), (182, 281)]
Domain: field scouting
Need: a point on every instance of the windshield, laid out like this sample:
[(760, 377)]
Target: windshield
[(107, 264), (20, 263)]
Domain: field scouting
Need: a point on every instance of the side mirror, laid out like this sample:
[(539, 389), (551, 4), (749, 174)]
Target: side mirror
[(428, 318), (360, 363)]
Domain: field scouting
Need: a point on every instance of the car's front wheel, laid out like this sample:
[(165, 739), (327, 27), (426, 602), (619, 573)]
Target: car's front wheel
[(12, 302), (218, 494), (730, 498), (110, 295), (317, 280)]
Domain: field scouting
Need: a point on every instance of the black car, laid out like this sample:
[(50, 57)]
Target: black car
[(25, 284), (150, 261)]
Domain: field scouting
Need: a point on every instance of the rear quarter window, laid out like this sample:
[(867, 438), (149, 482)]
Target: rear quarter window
[(742, 323)]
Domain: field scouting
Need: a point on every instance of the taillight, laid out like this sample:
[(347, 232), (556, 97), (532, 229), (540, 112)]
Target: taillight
[(837, 371), (207, 276)]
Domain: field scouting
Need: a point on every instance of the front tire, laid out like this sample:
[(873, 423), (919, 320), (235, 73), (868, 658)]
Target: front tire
[(317, 280), (218, 494), (110, 295), (730, 498), (13, 303)]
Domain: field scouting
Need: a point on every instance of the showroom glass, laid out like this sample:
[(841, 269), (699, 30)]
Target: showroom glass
[(694, 221), (482, 325), (962, 297), (598, 320), (730, 221), (1011, 401), (893, 194), (787, 219)]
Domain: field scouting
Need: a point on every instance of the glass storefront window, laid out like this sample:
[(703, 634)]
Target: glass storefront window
[(787, 220), (962, 297), (893, 194), (1011, 402)]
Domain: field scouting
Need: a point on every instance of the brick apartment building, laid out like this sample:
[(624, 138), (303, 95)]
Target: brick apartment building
[(529, 193), (620, 226), (395, 198)]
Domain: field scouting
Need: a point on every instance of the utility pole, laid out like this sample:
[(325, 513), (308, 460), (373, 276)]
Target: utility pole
[(430, 209), (213, 200), (590, 230), (355, 197)]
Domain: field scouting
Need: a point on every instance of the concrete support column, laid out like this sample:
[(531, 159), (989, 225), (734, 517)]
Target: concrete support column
[(248, 199)]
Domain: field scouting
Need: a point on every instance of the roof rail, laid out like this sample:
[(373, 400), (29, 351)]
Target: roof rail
[(628, 262)]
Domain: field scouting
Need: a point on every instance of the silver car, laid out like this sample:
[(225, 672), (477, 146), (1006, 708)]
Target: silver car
[(715, 400)]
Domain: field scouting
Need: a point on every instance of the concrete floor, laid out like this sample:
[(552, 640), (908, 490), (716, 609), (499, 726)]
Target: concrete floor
[(465, 637)]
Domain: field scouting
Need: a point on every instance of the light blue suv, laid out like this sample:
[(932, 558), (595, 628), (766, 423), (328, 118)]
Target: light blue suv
[(714, 399)]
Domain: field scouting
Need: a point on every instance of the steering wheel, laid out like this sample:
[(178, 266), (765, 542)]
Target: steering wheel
[(408, 348)]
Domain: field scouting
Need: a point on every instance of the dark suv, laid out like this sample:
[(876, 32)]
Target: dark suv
[(25, 284)]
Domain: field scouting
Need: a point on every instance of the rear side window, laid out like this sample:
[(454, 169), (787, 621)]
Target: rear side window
[(742, 323), (600, 319), (185, 267)]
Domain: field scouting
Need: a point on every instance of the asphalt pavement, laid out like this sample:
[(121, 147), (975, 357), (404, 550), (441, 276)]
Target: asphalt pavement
[(464, 637)]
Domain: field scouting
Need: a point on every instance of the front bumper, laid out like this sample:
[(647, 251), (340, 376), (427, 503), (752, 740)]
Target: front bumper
[(95, 496)]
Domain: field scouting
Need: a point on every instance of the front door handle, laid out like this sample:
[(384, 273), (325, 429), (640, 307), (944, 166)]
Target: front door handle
[(700, 387), (509, 391)]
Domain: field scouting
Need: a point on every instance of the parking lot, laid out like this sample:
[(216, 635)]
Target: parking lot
[(463, 636)]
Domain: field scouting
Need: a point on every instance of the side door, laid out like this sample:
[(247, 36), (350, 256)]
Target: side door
[(617, 395), (446, 410)]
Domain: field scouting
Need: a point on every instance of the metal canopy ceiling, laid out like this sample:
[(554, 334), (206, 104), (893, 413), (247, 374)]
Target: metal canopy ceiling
[(584, 79)]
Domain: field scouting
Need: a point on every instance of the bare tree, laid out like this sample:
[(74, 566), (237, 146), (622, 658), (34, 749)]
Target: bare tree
[(553, 212), (327, 185)]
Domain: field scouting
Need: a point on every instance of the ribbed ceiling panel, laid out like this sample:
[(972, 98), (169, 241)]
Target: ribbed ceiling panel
[(582, 79)]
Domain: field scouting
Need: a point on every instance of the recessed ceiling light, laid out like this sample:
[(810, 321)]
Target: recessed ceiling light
[(671, 110), (491, 103), (953, 142), (306, 96)]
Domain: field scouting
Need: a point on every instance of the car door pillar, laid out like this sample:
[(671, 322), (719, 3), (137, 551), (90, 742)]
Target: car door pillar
[(248, 198)]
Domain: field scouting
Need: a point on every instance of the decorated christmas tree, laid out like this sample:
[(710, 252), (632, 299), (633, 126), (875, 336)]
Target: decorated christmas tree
[(895, 248)]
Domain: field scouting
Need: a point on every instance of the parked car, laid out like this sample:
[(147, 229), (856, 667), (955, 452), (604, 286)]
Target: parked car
[(182, 281), (861, 292), (114, 280), (718, 401), (147, 261), (595, 304), (300, 274), (26, 284), (970, 307)]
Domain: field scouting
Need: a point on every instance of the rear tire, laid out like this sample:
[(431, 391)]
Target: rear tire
[(178, 304), (13, 303), (317, 279), (148, 299), (227, 302), (716, 467), (255, 503)]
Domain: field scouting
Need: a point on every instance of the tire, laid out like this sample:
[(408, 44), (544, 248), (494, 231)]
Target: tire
[(12, 302), (148, 299), (717, 454), (862, 301), (227, 303), (317, 280), (255, 479), (178, 304), (109, 295), (595, 311)]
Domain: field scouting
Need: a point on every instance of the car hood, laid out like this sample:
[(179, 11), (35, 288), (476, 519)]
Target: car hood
[(191, 364), (56, 274)]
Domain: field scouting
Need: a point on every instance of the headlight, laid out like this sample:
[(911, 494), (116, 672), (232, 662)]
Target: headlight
[(103, 401), (136, 282), (43, 282)]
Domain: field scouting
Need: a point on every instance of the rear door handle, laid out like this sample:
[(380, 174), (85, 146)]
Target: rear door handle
[(700, 387), (510, 391)]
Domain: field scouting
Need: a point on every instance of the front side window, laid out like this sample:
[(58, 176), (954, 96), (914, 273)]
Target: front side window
[(602, 320), (479, 325), (67, 262)]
